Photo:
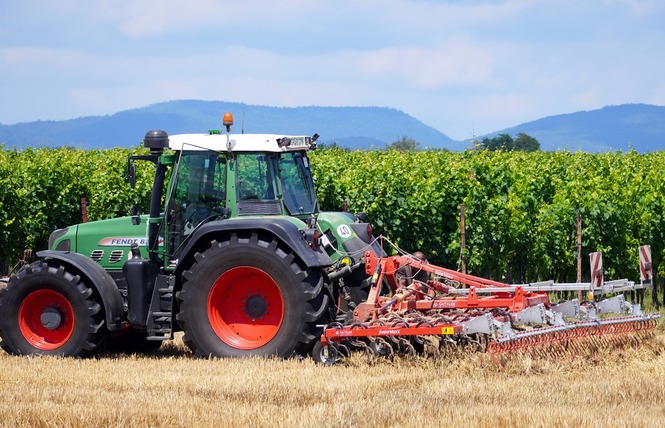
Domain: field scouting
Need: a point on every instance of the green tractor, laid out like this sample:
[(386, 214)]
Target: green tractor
[(233, 252)]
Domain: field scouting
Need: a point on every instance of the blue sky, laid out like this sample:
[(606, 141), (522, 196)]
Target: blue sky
[(462, 67)]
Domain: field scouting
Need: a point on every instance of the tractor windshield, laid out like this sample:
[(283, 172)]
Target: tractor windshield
[(297, 184), (198, 194)]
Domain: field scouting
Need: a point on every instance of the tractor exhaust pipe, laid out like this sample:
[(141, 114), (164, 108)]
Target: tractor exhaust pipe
[(156, 141), (155, 211)]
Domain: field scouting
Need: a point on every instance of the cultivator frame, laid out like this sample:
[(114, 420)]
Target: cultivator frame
[(453, 310)]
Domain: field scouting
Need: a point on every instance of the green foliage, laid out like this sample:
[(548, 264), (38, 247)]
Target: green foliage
[(525, 143), (404, 144), (41, 190), (520, 206), (522, 142)]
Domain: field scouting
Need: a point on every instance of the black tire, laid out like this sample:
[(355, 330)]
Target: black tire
[(46, 310), (131, 341), (247, 295), (326, 355), (359, 285)]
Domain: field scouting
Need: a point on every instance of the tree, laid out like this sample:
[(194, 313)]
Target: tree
[(500, 142), (331, 146), (404, 144), (505, 142), (526, 143)]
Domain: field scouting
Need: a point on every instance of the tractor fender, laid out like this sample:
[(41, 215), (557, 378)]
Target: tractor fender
[(283, 229), (99, 279)]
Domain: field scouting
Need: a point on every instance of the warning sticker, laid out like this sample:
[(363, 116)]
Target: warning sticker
[(447, 330)]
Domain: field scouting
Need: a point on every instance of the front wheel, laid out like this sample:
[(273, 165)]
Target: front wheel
[(47, 310), (246, 295)]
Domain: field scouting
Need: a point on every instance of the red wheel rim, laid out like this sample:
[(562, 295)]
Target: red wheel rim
[(245, 307), (46, 319)]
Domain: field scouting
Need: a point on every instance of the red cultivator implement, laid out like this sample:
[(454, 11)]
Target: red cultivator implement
[(415, 308)]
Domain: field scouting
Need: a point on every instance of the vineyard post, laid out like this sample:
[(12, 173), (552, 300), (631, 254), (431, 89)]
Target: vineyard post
[(84, 210), (462, 236), (579, 254), (655, 281)]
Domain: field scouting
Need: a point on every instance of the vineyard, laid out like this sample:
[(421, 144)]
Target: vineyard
[(521, 208)]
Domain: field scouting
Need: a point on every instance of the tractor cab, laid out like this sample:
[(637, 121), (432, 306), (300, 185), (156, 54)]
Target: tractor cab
[(209, 185), (218, 176)]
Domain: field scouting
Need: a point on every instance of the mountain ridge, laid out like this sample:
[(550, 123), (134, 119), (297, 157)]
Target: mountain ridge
[(639, 127), (634, 126)]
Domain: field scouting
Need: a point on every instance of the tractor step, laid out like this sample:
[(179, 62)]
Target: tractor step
[(160, 320)]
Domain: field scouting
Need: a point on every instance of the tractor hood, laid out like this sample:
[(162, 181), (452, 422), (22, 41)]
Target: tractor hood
[(107, 242)]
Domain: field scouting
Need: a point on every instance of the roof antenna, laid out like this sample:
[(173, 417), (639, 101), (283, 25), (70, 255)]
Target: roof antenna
[(242, 126)]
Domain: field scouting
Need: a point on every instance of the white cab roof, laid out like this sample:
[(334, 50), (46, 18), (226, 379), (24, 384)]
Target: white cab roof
[(239, 142)]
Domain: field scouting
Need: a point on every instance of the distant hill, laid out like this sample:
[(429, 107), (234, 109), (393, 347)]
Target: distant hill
[(352, 127), (628, 126), (623, 127)]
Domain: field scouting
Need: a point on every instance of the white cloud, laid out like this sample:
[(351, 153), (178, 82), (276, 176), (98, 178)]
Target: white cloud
[(26, 57), (159, 17), (458, 61), (644, 7), (456, 65)]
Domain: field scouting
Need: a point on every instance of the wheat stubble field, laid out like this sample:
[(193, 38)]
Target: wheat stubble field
[(171, 389)]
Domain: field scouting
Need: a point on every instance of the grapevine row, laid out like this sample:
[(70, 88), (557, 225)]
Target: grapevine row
[(520, 207)]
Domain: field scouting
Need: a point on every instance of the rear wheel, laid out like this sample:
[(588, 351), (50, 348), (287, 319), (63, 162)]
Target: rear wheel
[(47, 310), (246, 295)]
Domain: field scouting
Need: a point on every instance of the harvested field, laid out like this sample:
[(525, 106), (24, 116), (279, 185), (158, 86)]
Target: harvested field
[(170, 388)]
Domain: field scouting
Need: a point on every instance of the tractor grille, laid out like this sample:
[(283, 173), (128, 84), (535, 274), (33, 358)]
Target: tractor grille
[(97, 255), (259, 207), (116, 256)]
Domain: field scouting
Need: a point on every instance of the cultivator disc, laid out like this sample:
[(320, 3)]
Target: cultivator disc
[(450, 313)]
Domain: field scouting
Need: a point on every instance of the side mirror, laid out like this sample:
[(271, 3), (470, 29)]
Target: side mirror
[(226, 212), (136, 218), (131, 173)]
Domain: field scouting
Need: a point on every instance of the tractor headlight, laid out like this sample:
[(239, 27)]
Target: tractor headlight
[(57, 234)]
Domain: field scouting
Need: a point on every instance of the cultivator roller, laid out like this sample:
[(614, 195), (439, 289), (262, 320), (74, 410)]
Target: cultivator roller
[(416, 308)]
